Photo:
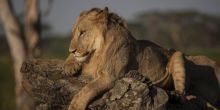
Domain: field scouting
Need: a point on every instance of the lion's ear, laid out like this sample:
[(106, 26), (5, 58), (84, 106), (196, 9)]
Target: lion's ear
[(106, 10), (103, 15), (102, 18)]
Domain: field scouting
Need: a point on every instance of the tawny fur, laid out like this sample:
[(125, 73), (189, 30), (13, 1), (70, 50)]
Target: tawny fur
[(177, 68), (103, 48)]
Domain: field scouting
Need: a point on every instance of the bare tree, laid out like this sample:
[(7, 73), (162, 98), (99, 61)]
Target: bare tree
[(21, 47), (32, 26)]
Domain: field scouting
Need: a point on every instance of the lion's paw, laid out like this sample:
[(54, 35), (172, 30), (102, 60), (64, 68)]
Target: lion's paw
[(69, 69)]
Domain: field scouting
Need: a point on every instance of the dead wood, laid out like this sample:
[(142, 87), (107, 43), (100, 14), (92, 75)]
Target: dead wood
[(43, 80)]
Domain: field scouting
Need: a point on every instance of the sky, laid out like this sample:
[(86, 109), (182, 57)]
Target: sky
[(64, 12)]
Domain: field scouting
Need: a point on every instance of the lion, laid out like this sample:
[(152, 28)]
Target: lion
[(103, 48)]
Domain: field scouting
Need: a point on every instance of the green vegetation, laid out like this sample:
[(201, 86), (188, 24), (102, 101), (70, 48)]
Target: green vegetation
[(7, 83), (213, 54), (185, 30), (55, 47)]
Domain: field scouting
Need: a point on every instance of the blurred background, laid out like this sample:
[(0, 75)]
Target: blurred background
[(192, 26)]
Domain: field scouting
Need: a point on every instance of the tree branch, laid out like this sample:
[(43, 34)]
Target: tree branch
[(32, 27)]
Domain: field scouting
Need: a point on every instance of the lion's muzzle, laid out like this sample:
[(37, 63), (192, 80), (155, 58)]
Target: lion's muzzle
[(81, 57)]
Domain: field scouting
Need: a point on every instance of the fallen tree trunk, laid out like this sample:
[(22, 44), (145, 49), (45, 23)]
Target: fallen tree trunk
[(43, 80)]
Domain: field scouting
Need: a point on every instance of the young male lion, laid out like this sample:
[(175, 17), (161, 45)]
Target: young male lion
[(102, 47)]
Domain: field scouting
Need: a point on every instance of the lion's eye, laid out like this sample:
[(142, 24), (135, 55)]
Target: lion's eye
[(82, 32)]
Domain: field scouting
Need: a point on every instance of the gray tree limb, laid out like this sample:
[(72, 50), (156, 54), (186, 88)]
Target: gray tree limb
[(21, 47), (18, 52), (32, 27)]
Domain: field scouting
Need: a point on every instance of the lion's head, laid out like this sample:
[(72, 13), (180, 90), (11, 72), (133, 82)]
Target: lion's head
[(89, 32)]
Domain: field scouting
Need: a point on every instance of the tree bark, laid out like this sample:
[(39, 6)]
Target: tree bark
[(53, 91), (32, 27)]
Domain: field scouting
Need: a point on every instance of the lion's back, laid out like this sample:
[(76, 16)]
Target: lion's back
[(152, 59)]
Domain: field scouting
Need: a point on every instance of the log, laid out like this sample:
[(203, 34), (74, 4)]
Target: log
[(51, 90)]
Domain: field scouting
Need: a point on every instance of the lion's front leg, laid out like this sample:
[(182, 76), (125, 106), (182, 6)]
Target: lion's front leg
[(71, 66), (87, 93)]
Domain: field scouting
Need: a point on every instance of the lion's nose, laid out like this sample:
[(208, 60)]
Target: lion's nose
[(72, 50)]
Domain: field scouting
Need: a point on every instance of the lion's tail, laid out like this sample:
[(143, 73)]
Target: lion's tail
[(176, 67)]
